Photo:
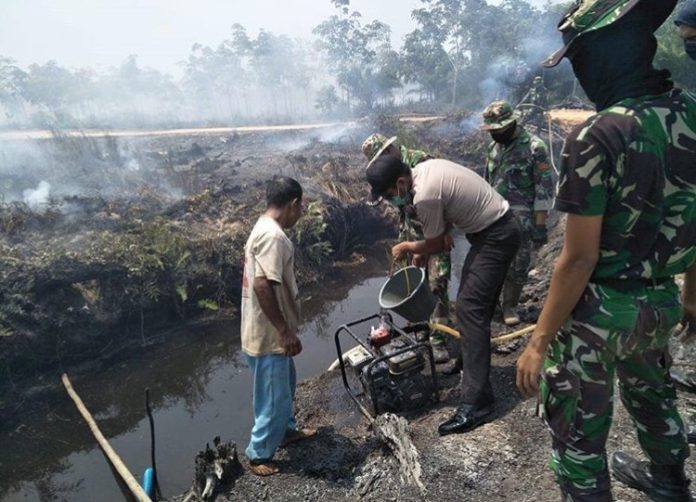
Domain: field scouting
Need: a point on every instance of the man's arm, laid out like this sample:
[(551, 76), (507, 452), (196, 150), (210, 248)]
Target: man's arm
[(570, 277), (425, 247), (263, 288), (689, 300)]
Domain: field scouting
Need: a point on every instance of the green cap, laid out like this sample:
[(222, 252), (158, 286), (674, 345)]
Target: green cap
[(498, 115), (375, 145), (584, 17)]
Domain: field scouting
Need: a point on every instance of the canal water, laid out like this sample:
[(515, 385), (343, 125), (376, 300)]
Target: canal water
[(200, 387)]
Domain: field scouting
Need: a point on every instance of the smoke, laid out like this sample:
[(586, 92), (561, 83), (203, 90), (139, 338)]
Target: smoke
[(339, 133), (37, 198), (505, 74)]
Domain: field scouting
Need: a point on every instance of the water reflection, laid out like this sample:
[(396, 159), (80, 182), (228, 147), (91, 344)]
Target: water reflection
[(199, 388)]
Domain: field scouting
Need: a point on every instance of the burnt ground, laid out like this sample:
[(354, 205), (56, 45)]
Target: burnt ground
[(502, 460)]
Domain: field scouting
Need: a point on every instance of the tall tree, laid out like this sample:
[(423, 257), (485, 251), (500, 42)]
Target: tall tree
[(359, 54)]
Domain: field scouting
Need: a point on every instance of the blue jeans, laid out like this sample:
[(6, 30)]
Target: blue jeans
[(274, 391)]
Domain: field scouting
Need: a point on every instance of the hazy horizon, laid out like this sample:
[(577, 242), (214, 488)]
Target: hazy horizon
[(102, 33)]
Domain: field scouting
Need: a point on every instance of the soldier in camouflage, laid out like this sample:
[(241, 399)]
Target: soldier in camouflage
[(536, 102), (628, 184), (518, 168), (439, 266)]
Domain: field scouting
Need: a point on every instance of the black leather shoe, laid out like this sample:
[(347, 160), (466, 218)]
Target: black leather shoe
[(691, 434), (661, 483), (466, 418), (454, 369)]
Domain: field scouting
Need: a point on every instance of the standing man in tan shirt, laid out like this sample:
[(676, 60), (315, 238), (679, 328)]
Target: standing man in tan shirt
[(270, 319)]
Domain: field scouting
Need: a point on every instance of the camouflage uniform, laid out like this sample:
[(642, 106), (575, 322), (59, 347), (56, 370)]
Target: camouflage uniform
[(518, 168), (520, 173), (538, 99), (633, 163), (440, 265)]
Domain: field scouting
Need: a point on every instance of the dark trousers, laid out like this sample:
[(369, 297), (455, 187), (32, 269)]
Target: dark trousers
[(483, 273)]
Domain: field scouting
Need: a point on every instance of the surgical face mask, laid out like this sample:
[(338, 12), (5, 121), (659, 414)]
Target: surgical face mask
[(690, 48), (400, 200)]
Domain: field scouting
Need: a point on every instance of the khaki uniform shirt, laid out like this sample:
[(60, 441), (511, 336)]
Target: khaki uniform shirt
[(448, 194), (268, 253)]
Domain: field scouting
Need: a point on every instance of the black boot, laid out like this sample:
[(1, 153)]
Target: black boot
[(661, 483), (511, 297), (691, 434), (455, 367)]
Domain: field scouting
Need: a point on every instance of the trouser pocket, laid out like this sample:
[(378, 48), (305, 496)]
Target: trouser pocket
[(558, 407)]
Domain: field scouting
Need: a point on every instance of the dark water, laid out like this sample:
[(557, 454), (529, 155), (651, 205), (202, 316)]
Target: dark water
[(200, 388)]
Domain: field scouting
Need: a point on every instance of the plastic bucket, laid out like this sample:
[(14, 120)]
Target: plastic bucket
[(408, 294)]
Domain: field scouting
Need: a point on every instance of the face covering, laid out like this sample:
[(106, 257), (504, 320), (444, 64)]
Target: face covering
[(400, 200), (615, 63), (504, 136), (690, 48)]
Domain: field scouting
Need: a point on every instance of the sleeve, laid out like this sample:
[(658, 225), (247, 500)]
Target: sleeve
[(431, 214), (583, 181), (543, 182), (271, 254), (488, 165)]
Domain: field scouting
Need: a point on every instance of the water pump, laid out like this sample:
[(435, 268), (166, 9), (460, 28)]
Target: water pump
[(394, 370)]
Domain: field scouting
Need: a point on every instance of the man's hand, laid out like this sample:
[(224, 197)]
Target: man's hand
[(419, 260), (399, 250), (291, 344), (529, 369), (539, 236)]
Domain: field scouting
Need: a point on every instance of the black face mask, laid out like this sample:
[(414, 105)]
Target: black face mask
[(615, 63), (504, 136), (690, 48)]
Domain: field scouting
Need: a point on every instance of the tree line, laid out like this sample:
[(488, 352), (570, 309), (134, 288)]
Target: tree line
[(461, 54)]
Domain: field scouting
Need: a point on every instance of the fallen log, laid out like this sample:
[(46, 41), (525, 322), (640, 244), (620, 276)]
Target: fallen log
[(115, 460), (392, 430)]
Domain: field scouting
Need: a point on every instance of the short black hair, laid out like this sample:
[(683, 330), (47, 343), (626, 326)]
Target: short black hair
[(383, 173), (281, 190)]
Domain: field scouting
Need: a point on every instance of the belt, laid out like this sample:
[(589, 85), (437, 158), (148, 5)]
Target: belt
[(625, 285)]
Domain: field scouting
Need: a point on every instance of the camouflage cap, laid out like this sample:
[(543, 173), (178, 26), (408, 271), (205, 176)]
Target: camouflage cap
[(498, 115), (687, 14), (586, 16), (375, 145)]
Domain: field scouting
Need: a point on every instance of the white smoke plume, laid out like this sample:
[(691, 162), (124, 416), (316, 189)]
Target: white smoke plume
[(37, 198)]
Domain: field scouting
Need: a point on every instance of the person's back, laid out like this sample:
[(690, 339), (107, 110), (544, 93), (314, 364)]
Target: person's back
[(637, 166), (446, 189)]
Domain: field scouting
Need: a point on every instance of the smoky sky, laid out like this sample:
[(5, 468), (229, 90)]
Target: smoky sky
[(102, 33)]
